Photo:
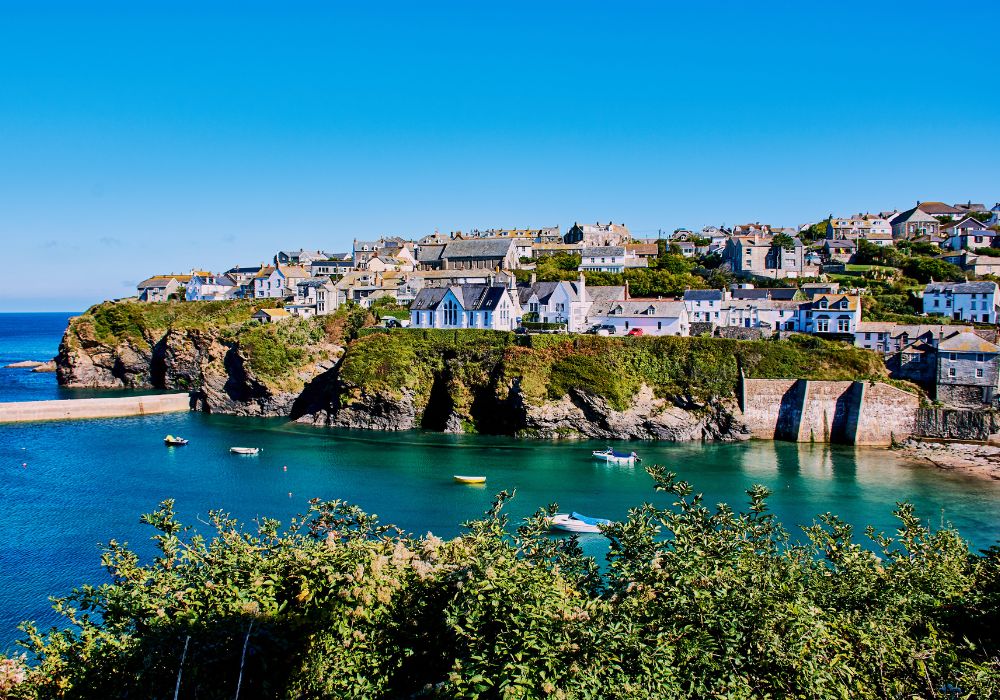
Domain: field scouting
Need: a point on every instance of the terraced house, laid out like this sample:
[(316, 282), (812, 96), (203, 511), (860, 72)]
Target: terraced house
[(963, 301), (967, 371)]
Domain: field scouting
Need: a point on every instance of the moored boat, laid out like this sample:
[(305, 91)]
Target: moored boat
[(469, 479), (244, 450), (610, 455), (174, 441), (576, 522)]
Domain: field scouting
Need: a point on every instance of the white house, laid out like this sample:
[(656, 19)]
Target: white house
[(207, 286), (964, 301), (557, 302), (606, 258), (831, 313), (492, 307), (650, 316), (765, 314), (704, 305)]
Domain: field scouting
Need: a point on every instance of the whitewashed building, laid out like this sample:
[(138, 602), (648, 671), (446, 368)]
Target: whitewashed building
[(963, 301), (466, 306), (650, 316)]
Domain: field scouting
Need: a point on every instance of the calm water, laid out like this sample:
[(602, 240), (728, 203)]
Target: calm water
[(68, 486)]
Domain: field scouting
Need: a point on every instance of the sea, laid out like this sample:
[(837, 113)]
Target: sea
[(70, 486)]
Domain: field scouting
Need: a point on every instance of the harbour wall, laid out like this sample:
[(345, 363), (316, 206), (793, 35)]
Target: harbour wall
[(853, 413), (114, 407)]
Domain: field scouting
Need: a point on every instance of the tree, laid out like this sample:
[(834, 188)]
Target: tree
[(926, 269), (783, 241)]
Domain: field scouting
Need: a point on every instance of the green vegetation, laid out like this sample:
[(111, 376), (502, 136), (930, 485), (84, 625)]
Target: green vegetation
[(695, 602), (277, 350), (386, 307), (667, 275), (115, 321), (688, 369)]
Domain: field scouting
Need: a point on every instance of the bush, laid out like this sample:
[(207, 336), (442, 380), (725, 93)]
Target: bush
[(694, 602)]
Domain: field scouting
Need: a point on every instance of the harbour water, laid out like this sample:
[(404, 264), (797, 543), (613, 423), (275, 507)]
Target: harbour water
[(68, 486)]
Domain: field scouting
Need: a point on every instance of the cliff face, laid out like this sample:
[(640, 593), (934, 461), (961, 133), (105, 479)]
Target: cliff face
[(674, 389), (235, 368)]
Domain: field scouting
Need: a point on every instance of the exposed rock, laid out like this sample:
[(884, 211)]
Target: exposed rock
[(24, 364), (980, 461), (49, 366)]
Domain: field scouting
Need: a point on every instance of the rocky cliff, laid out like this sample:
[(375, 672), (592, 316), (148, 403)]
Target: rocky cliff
[(455, 381), (644, 388), (230, 363)]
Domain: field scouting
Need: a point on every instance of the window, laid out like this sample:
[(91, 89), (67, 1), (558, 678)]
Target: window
[(626, 325), (952, 356), (951, 371), (979, 357), (450, 313), (868, 336), (979, 372), (822, 325), (659, 327), (843, 325)]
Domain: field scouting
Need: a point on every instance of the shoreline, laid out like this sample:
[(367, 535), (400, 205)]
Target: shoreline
[(978, 460)]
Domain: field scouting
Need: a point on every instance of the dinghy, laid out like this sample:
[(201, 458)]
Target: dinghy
[(576, 522), (613, 457), (174, 441), (244, 450), (470, 479)]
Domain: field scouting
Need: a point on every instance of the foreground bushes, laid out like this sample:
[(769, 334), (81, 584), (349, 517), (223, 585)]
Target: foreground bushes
[(693, 603)]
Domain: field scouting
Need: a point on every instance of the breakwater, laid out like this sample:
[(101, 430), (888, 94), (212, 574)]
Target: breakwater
[(115, 407)]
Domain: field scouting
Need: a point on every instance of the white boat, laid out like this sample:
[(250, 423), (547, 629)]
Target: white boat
[(244, 450), (613, 457), (576, 522)]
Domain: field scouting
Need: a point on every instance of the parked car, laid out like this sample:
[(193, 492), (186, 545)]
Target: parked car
[(602, 330), (521, 330), (635, 331)]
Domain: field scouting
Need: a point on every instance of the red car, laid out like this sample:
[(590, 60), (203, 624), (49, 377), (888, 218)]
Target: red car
[(635, 331)]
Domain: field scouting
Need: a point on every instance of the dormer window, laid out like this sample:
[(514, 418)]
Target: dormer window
[(823, 303), (650, 311)]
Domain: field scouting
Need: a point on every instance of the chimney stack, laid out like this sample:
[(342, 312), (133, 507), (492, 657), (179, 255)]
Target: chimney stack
[(582, 284)]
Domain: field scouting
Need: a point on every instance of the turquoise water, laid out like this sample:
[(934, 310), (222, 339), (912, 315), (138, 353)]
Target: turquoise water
[(68, 486)]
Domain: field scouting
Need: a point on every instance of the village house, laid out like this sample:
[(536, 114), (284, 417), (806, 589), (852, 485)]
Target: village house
[(967, 373), (207, 286), (857, 227), (757, 256), (889, 337), (335, 265), (704, 305), (475, 254), (598, 234), (839, 250), (642, 316), (831, 313), (748, 291), (555, 302), (162, 288), (606, 259), (647, 251), (964, 301), (913, 223), (299, 257), (271, 315), (278, 281), (493, 307), (766, 315), (968, 233)]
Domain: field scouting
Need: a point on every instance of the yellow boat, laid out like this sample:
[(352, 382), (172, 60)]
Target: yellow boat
[(470, 479)]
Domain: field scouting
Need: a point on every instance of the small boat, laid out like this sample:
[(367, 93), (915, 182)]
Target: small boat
[(576, 522), (244, 450), (470, 479), (610, 455), (174, 441)]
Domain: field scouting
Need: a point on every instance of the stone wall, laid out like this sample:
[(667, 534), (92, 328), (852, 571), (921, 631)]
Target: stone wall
[(858, 413), (739, 333), (950, 424)]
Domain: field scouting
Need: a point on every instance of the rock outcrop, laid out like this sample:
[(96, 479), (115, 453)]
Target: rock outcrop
[(211, 364)]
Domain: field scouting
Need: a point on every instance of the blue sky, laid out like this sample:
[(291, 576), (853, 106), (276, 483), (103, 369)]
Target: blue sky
[(151, 137)]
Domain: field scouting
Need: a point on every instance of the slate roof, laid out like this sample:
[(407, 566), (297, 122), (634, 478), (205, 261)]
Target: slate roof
[(703, 295), (967, 342), (478, 248), (833, 299), (639, 307), (961, 287), (430, 252), (162, 281), (604, 293), (938, 208), (472, 297), (606, 251), (787, 293)]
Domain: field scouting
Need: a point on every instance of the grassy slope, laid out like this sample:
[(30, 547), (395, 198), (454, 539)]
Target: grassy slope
[(696, 368)]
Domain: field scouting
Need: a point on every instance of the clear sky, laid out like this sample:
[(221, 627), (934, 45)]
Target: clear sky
[(149, 137)]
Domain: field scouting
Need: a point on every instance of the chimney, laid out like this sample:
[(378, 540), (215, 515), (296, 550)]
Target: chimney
[(626, 291), (534, 279), (582, 286)]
